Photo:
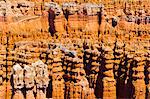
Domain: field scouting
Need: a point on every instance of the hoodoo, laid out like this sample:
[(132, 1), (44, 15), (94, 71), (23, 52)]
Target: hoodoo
[(74, 49)]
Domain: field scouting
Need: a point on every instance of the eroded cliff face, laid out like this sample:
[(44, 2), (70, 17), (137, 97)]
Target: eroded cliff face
[(95, 52)]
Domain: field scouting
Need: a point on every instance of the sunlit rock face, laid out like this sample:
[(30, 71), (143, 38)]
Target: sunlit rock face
[(18, 76), (78, 49)]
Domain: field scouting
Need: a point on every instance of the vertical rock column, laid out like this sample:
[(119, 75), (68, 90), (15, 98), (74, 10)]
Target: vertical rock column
[(118, 57), (87, 60), (129, 52), (70, 78), (1, 75), (2, 68), (2, 88), (18, 83), (138, 75), (81, 84), (41, 79), (147, 74), (10, 54), (72, 90), (109, 83), (3, 63), (91, 66), (86, 92), (120, 68), (57, 76), (29, 81), (94, 66), (77, 88), (66, 77)]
